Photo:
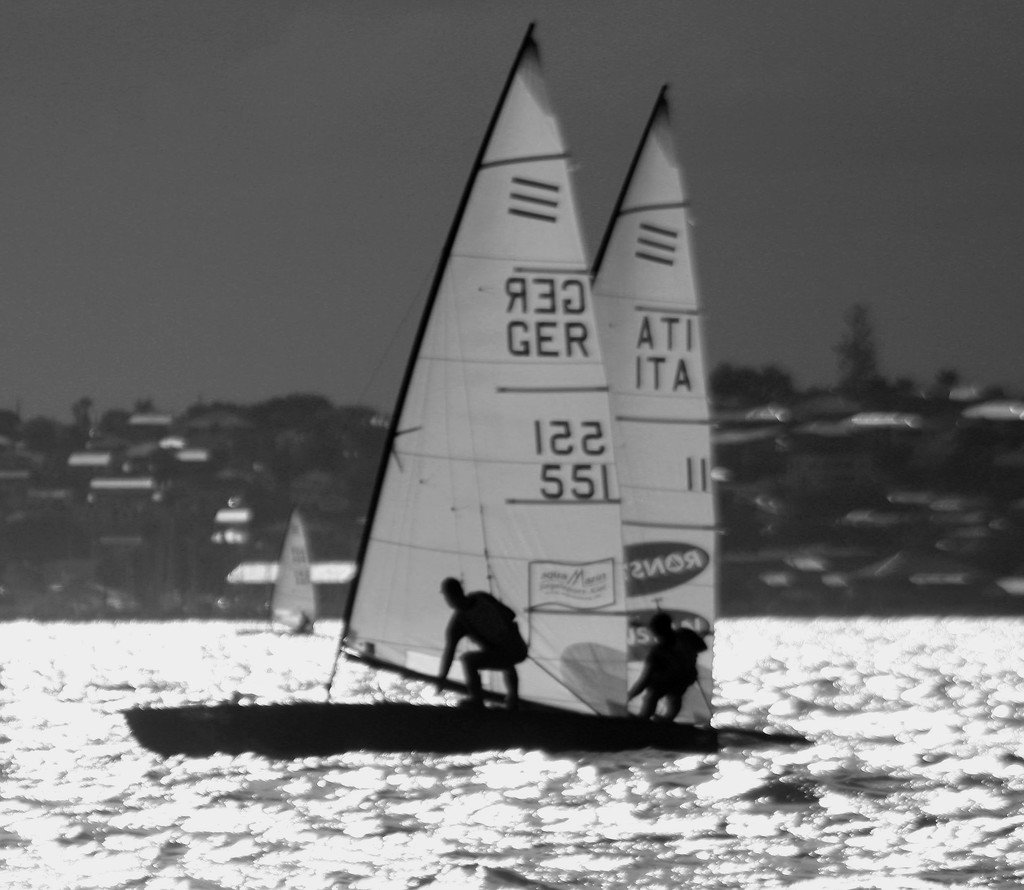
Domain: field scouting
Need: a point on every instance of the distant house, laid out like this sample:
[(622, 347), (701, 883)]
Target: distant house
[(827, 461), (193, 458), (148, 426), (51, 496), (747, 454), (84, 466), (15, 482), (216, 427), (821, 406), (322, 492), (120, 506), (217, 420), (222, 432)]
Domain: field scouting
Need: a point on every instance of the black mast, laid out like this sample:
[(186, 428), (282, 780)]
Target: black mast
[(660, 107)]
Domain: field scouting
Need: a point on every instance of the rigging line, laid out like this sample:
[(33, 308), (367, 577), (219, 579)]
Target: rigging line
[(464, 394), (707, 700), (492, 579), (386, 352), (334, 664)]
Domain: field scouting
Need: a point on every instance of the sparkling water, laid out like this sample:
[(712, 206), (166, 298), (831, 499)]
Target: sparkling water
[(914, 778)]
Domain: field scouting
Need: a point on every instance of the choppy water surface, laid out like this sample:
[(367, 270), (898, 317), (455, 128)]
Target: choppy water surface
[(915, 778)]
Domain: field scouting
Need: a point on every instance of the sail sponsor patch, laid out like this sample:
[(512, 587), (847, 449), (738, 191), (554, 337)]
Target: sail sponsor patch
[(572, 585), (654, 566)]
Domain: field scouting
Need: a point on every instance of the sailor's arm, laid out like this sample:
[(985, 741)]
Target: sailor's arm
[(641, 682), (453, 634)]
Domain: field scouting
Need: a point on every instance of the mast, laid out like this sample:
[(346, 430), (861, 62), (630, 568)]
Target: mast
[(660, 109)]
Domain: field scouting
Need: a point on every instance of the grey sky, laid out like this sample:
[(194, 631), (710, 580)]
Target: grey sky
[(236, 200)]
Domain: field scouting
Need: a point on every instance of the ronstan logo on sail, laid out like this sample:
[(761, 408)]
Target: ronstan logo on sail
[(654, 566)]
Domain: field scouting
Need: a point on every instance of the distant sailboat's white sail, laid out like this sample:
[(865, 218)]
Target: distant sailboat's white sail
[(501, 469), (294, 598), (647, 308)]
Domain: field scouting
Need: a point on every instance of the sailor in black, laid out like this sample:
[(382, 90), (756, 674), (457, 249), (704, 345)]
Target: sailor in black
[(491, 625), (669, 669)]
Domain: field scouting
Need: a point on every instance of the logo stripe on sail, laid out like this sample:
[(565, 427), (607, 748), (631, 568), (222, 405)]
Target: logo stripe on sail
[(534, 199), (657, 244)]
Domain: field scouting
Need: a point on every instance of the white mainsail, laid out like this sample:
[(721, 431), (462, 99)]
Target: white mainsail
[(649, 317), (293, 602), (501, 469)]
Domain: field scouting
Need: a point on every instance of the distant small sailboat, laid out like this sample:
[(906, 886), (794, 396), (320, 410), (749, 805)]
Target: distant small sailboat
[(293, 602), (501, 470)]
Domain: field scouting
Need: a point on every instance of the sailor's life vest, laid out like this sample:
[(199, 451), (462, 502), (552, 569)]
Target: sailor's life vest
[(492, 625), (673, 664)]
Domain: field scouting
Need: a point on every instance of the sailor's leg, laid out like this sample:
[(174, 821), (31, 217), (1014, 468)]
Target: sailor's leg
[(673, 702), (650, 704), (471, 667), (511, 688)]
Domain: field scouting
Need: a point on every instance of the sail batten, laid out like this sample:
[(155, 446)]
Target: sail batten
[(551, 390), (681, 526), (543, 270), (677, 421), (643, 208)]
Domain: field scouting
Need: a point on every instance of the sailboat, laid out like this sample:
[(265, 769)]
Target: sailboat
[(649, 318), (293, 601), (501, 471)]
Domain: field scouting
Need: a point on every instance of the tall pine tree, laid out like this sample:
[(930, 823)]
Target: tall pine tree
[(857, 353)]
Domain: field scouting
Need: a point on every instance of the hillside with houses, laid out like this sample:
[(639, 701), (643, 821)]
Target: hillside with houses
[(146, 514), (904, 503), (889, 501)]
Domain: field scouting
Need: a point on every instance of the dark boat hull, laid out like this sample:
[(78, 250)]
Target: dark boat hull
[(311, 729)]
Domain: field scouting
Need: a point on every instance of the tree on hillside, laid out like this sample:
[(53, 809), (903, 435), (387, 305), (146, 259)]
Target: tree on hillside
[(10, 423), (42, 435), (735, 383), (857, 353), (295, 411), (114, 421), (81, 412)]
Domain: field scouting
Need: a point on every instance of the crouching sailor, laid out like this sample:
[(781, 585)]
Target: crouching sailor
[(491, 625), (669, 669)]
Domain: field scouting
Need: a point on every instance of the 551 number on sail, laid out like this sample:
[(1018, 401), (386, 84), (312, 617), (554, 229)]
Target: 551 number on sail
[(585, 481)]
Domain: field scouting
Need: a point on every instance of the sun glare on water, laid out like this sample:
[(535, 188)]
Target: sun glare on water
[(914, 779)]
